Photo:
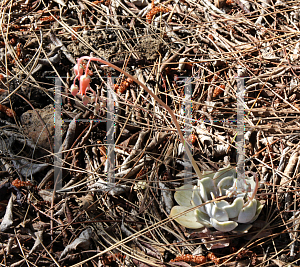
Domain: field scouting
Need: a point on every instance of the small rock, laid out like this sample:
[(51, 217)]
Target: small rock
[(35, 129)]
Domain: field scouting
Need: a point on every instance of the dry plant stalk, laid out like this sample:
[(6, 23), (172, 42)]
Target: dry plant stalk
[(84, 85)]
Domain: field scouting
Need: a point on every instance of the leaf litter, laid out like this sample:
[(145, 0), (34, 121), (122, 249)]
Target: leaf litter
[(188, 53)]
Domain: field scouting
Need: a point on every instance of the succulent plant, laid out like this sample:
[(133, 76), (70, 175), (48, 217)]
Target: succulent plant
[(230, 202)]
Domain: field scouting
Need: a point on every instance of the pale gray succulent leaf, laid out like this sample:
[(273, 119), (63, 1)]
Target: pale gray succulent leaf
[(209, 184), (183, 195), (234, 214), (219, 214), (224, 172), (203, 218), (222, 203), (209, 174), (225, 184), (258, 210), (206, 187), (223, 226), (208, 208), (247, 213), (196, 199), (188, 220), (234, 209)]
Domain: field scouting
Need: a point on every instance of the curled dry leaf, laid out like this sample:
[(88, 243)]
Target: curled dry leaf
[(83, 241), (110, 188), (47, 196), (7, 220), (61, 210), (59, 43), (9, 245), (38, 242), (85, 201)]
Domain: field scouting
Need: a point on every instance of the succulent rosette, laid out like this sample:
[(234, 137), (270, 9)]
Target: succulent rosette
[(225, 202)]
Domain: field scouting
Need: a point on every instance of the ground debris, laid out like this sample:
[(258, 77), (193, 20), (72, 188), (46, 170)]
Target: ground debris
[(111, 158)]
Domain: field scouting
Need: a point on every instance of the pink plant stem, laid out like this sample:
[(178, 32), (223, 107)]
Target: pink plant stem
[(187, 150), (87, 65)]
